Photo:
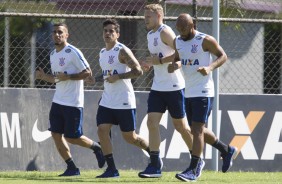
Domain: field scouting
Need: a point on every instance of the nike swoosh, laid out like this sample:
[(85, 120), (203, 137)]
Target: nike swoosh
[(39, 136)]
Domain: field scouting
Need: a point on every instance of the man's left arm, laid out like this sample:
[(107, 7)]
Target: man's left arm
[(212, 46), (126, 57), (167, 36), (79, 61), (176, 64)]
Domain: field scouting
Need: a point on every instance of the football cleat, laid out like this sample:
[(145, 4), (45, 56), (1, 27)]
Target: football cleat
[(109, 173), (71, 172), (200, 166), (187, 175), (151, 172), (228, 158)]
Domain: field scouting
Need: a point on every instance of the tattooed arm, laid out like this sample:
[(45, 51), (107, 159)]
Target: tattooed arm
[(126, 57)]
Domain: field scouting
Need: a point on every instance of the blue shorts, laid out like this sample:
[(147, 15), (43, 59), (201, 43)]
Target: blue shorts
[(173, 101), (125, 118), (198, 109), (66, 120)]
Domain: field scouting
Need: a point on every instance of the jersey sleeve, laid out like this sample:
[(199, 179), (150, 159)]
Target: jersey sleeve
[(79, 60)]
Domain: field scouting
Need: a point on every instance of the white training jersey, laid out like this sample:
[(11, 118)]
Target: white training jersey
[(69, 60), (120, 94), (163, 81), (192, 56)]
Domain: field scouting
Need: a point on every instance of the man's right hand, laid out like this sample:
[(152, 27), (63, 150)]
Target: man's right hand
[(145, 66), (171, 67), (90, 80), (39, 74)]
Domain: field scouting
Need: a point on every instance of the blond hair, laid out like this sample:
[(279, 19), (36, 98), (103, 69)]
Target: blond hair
[(155, 8)]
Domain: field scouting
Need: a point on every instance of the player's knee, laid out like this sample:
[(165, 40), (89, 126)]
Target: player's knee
[(102, 131), (152, 125), (179, 127), (197, 131), (56, 136), (71, 140), (128, 137)]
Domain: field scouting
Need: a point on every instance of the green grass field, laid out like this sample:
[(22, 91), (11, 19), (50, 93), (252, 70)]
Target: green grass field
[(127, 177)]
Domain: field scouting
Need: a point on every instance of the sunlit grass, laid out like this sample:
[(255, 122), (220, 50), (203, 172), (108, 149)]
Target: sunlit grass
[(127, 177)]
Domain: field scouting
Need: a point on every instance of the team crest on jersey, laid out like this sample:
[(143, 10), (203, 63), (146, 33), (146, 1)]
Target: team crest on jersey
[(111, 59), (155, 41), (62, 61), (116, 48), (194, 48), (68, 50)]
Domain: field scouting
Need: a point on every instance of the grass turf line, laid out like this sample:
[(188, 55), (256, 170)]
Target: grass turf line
[(130, 176)]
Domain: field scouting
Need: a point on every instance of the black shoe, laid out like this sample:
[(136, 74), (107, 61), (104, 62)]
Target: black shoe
[(71, 172), (228, 158), (109, 173)]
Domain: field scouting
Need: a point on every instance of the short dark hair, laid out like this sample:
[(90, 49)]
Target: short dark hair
[(113, 22), (61, 24)]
